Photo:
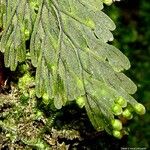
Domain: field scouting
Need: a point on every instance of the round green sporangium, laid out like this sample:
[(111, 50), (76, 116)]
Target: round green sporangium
[(116, 124), (117, 134), (121, 101), (117, 109), (81, 101), (139, 109), (108, 2), (127, 114)]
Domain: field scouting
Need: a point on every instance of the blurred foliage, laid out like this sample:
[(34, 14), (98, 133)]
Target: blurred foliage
[(132, 36)]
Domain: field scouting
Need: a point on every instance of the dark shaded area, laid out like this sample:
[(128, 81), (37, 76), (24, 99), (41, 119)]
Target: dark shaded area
[(2, 71), (5, 75)]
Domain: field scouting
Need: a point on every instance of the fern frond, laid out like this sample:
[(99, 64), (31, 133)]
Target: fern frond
[(69, 48)]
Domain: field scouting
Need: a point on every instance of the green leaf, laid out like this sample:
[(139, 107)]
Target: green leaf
[(17, 18), (68, 47)]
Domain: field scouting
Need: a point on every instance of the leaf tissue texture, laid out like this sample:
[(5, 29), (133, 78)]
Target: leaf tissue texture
[(69, 48)]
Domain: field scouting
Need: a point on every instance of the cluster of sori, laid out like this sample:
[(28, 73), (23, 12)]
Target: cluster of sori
[(122, 110)]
